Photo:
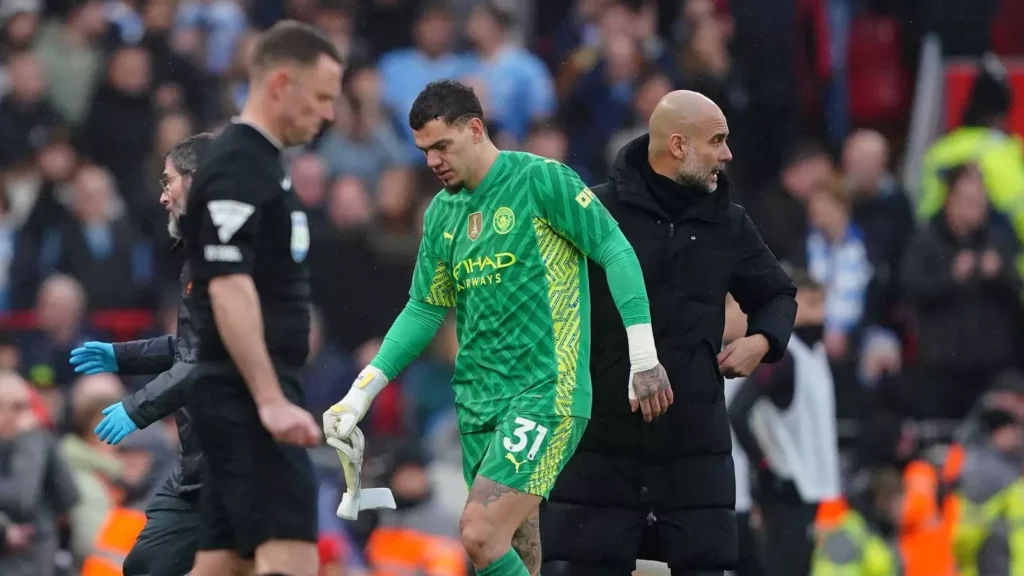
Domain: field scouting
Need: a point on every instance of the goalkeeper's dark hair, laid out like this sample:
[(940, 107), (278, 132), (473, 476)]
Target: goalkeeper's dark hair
[(450, 101), (185, 155)]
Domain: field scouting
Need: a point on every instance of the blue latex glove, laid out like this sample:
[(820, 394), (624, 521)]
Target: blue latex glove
[(116, 424), (93, 358)]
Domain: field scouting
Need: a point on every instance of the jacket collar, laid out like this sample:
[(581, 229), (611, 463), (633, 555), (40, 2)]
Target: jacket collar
[(631, 188)]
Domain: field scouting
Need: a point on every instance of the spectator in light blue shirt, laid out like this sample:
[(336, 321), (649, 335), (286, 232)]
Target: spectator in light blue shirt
[(518, 86), (224, 23), (407, 71)]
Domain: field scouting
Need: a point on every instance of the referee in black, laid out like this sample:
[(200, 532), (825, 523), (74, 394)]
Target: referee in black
[(247, 239)]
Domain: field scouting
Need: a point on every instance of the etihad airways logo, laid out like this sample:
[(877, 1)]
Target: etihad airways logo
[(482, 270)]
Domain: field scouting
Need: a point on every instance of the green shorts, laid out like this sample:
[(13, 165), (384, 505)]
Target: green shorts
[(526, 452)]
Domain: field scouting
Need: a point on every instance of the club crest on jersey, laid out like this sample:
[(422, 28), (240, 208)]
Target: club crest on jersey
[(476, 225), (504, 220), (300, 236)]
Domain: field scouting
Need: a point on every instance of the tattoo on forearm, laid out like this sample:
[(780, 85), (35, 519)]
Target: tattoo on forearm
[(526, 542), (650, 382)]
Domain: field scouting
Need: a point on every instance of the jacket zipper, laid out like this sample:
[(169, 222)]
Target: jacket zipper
[(671, 230), (651, 518)]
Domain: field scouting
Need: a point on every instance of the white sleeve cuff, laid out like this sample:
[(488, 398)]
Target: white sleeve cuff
[(642, 353)]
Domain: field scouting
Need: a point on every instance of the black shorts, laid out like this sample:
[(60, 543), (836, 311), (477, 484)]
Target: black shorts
[(254, 489), (167, 545)]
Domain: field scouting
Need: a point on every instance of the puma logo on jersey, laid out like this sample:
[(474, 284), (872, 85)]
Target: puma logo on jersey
[(512, 459), (447, 235)]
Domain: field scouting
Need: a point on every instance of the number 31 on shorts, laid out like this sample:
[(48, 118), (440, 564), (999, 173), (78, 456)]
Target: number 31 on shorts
[(527, 433)]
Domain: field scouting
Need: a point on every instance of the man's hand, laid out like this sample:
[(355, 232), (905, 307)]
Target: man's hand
[(27, 421), (115, 426), (289, 424), (837, 344), (963, 265), (18, 537), (991, 263), (650, 391), (94, 358), (341, 419), (741, 356)]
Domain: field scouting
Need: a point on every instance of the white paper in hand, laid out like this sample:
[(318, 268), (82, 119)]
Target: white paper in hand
[(356, 498)]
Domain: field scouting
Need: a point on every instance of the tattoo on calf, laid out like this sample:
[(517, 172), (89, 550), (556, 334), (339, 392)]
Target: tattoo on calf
[(526, 542)]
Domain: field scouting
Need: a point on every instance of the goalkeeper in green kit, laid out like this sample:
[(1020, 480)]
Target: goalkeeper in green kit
[(506, 244)]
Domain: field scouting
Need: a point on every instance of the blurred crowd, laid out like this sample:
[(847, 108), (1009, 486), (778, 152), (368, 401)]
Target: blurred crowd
[(923, 300)]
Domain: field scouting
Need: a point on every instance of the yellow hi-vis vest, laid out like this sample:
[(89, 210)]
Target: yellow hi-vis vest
[(849, 549), (975, 526), (1015, 522)]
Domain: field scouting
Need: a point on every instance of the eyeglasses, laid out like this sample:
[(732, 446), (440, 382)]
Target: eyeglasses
[(165, 182)]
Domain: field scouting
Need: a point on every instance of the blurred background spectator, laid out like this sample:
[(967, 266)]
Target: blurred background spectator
[(916, 234)]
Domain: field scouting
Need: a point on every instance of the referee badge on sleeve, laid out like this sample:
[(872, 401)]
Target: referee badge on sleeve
[(300, 236)]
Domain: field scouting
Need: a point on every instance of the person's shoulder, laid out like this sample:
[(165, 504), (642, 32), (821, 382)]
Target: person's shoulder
[(736, 216), (540, 166), (236, 166)]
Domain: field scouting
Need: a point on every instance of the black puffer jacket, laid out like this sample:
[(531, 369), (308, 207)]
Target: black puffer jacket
[(174, 358), (665, 491)]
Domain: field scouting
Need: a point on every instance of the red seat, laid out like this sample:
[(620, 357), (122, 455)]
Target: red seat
[(119, 324), (1007, 30), (878, 84)]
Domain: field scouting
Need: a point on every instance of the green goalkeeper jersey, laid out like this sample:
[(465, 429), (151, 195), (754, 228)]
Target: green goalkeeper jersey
[(511, 258)]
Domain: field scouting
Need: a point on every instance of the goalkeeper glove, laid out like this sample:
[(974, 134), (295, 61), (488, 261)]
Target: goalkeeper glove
[(357, 498), (341, 419)]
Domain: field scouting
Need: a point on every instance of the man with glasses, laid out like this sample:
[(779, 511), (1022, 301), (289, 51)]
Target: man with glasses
[(168, 543)]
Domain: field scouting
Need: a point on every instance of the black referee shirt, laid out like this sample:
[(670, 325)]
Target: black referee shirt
[(243, 218)]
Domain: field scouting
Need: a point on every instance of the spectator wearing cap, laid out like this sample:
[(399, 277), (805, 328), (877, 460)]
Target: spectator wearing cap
[(982, 138), (981, 541), (418, 536), (519, 86), (959, 278)]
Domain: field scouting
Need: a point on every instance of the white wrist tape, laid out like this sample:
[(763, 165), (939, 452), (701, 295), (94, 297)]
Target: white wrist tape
[(642, 353), (369, 383)]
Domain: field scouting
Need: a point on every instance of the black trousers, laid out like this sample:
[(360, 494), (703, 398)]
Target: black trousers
[(560, 568), (789, 542), (167, 545)]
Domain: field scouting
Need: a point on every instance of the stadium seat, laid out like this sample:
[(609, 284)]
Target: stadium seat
[(1007, 31), (878, 82)]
